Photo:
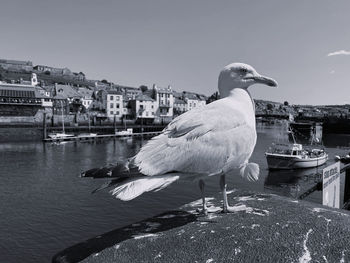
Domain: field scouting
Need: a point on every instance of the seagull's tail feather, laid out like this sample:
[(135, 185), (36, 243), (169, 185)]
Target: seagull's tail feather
[(131, 188), (250, 171), (123, 169)]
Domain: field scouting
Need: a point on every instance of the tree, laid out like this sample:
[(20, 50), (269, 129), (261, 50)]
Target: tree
[(143, 88), (104, 81), (285, 103), (215, 96), (269, 106)]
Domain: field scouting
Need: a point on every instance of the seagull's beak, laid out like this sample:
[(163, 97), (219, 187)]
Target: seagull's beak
[(259, 79)]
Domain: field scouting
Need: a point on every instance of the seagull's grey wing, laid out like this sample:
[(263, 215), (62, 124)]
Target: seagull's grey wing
[(193, 141)]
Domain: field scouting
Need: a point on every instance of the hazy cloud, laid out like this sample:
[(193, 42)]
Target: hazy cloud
[(339, 52), (332, 71)]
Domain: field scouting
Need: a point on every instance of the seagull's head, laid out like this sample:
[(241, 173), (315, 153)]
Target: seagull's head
[(240, 75)]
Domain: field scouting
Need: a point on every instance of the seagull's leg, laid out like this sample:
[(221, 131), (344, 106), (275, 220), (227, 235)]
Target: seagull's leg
[(205, 209), (201, 187), (226, 207), (223, 186)]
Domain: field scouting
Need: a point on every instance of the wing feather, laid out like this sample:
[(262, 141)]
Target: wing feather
[(200, 140)]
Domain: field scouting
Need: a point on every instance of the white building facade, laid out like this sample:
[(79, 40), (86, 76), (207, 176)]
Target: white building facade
[(164, 99), (114, 104)]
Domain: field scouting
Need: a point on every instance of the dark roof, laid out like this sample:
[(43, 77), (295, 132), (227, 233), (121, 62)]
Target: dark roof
[(17, 93), (143, 97), (66, 91), (178, 101), (177, 94), (116, 92)]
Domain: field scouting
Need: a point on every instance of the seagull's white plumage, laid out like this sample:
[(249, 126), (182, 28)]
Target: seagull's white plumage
[(218, 136), (209, 140)]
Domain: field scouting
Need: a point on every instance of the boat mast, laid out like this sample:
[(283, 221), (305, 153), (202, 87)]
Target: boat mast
[(89, 121), (62, 117), (291, 130)]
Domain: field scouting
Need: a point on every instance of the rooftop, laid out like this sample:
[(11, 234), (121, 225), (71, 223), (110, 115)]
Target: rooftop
[(143, 97), (179, 101), (115, 92), (66, 91)]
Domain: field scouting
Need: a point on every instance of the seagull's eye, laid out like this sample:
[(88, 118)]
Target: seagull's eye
[(243, 70)]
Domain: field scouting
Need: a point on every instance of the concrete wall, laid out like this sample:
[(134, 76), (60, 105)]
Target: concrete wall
[(13, 134)]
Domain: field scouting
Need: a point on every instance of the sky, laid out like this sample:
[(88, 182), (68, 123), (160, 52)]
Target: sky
[(304, 45)]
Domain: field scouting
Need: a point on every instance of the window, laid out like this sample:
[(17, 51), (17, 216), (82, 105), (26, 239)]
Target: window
[(152, 113), (111, 112), (111, 97), (117, 106), (117, 113), (118, 97), (111, 105), (152, 106), (141, 107)]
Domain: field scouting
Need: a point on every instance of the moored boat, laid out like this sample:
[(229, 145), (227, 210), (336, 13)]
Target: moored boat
[(293, 156), (59, 135), (87, 135), (125, 132)]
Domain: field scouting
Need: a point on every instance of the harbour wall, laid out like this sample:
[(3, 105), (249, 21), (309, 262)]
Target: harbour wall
[(264, 228)]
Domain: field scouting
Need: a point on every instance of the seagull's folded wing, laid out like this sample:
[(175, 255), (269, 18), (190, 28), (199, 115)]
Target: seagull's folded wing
[(196, 141)]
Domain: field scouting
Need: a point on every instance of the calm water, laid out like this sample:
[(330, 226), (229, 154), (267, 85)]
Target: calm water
[(45, 207)]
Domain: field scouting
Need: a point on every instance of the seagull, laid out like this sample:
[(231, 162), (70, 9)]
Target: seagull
[(212, 140)]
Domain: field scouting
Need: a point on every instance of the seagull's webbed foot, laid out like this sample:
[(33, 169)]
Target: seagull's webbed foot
[(233, 209), (208, 210)]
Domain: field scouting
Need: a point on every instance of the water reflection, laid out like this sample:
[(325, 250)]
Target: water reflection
[(291, 182), (336, 140)]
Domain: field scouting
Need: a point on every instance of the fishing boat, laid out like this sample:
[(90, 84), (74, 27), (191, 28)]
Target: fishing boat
[(294, 156)]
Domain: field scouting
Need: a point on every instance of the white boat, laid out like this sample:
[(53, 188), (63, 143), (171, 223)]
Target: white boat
[(87, 134), (59, 135), (293, 156), (124, 132)]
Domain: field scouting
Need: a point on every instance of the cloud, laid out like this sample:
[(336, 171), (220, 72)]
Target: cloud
[(332, 71), (339, 52)]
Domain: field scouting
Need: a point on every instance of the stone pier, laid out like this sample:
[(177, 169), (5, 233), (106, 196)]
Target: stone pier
[(265, 228)]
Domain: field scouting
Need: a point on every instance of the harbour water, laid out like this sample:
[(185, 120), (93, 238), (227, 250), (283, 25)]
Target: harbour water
[(45, 206)]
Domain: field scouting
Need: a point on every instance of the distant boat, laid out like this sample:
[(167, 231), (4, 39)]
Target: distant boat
[(60, 135), (125, 132), (87, 134), (293, 156)]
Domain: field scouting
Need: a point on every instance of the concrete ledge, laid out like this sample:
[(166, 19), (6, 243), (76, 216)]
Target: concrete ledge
[(265, 228)]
